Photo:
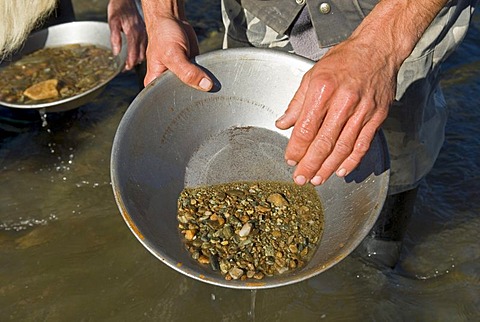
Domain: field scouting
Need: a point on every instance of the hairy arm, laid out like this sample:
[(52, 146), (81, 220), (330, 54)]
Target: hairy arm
[(345, 97)]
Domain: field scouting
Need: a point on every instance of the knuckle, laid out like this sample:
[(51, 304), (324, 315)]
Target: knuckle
[(322, 81), (343, 147), (309, 168), (323, 144), (330, 165), (362, 146), (350, 95), (189, 75), (325, 79), (303, 133), (171, 53), (379, 115), (354, 160)]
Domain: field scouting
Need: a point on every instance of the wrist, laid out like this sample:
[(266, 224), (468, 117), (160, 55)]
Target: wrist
[(395, 27), (164, 8)]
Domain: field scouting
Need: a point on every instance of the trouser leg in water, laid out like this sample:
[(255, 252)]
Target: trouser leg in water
[(382, 245)]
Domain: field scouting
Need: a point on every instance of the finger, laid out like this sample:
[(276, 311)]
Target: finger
[(189, 73), (293, 110), (115, 37), (340, 109), (309, 121), (343, 148), (142, 46), (154, 69), (361, 147), (178, 63), (132, 51)]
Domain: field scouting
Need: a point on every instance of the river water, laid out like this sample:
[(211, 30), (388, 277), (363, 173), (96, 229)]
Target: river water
[(67, 255)]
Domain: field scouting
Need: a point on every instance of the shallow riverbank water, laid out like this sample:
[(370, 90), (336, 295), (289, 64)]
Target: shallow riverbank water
[(67, 255)]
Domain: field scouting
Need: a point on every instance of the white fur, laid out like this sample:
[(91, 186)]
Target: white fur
[(17, 19)]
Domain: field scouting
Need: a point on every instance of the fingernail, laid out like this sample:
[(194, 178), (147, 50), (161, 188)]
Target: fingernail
[(280, 118), (342, 172), (291, 163), (205, 84), (300, 180), (317, 180), (115, 50)]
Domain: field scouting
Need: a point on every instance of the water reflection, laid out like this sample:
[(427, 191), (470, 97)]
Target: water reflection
[(66, 254)]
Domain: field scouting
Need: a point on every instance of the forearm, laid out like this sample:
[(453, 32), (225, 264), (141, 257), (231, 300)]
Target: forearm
[(394, 27), (154, 9), (115, 6)]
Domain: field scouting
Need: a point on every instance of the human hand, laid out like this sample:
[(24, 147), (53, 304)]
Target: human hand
[(345, 97), (173, 45), (340, 104), (123, 16)]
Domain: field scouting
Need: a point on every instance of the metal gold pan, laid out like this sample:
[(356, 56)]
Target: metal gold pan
[(79, 32), (173, 136)]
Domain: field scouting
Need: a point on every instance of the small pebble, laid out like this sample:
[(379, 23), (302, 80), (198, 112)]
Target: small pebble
[(251, 230), (235, 272), (245, 231), (190, 234)]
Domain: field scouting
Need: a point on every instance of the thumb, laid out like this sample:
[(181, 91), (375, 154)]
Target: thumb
[(191, 74), (186, 71)]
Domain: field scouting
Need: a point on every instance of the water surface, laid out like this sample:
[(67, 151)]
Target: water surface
[(66, 253)]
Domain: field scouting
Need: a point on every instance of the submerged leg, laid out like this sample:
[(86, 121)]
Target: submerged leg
[(383, 244)]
